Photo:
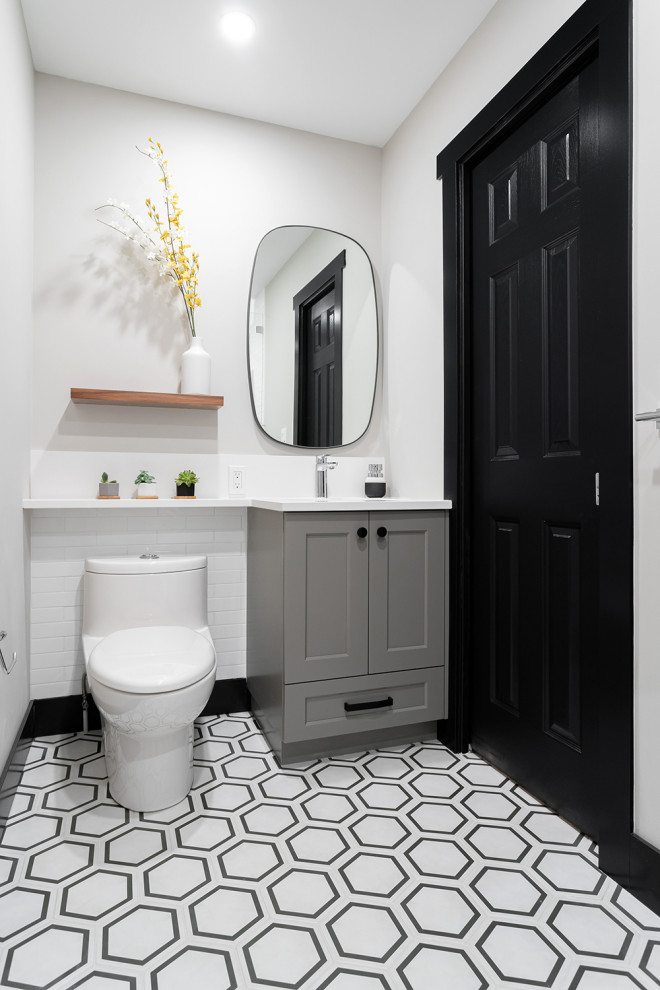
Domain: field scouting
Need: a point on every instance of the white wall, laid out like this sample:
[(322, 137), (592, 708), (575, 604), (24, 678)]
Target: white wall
[(412, 232), (16, 174), (646, 378), (103, 318)]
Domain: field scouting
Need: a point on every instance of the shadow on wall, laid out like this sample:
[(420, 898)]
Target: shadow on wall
[(125, 290)]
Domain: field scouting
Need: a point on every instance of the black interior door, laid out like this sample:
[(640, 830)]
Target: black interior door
[(538, 380), (318, 312), (320, 380)]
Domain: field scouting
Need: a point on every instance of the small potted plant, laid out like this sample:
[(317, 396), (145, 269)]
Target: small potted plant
[(185, 484), (146, 485), (108, 489)]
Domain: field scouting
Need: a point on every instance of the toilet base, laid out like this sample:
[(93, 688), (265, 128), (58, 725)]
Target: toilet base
[(149, 742), (148, 772)]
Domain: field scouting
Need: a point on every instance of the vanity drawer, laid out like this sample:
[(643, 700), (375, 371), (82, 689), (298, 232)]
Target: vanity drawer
[(326, 708)]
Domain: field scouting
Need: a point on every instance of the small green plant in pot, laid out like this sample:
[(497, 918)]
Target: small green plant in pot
[(108, 489), (185, 484), (146, 485)]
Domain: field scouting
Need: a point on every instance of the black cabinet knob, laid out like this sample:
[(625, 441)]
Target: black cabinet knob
[(362, 532), (381, 531)]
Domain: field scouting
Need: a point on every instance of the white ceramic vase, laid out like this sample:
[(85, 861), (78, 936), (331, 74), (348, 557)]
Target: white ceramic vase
[(195, 370)]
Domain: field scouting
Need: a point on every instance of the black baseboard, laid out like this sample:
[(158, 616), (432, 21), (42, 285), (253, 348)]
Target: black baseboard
[(52, 716), (19, 735), (228, 697)]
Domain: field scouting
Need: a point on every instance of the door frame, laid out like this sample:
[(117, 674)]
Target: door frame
[(602, 27)]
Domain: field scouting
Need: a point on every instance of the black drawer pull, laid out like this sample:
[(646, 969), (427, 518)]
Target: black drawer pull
[(362, 532), (365, 706), (381, 531)]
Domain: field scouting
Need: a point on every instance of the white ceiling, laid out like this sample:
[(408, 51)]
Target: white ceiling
[(351, 69)]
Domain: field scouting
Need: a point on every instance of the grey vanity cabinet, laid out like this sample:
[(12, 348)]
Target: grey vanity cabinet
[(363, 593), (346, 626)]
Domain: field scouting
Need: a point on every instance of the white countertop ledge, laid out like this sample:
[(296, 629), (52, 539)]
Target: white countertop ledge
[(275, 503), (110, 504)]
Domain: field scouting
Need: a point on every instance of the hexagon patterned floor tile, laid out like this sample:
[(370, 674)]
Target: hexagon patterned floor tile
[(404, 868)]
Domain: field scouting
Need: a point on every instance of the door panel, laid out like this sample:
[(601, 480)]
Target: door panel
[(505, 615), (561, 612), (535, 448), (406, 591), (325, 596), (560, 342), (504, 371)]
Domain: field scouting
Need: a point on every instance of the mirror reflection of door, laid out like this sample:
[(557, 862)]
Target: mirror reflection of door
[(318, 383)]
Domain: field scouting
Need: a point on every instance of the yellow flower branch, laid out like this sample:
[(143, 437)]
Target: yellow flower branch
[(166, 244)]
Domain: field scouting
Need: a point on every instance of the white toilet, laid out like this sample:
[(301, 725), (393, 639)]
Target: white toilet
[(151, 667)]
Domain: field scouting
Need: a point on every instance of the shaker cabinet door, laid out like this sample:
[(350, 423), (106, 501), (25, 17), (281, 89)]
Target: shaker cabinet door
[(326, 597), (406, 590)]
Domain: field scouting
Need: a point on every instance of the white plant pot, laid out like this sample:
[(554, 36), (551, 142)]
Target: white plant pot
[(147, 491), (195, 370)]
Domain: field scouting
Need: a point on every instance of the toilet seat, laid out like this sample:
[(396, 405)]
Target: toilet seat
[(150, 659)]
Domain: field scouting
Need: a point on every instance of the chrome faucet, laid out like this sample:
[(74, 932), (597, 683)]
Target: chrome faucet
[(323, 465)]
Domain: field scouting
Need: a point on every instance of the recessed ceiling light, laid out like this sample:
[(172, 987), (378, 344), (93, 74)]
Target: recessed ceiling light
[(237, 26)]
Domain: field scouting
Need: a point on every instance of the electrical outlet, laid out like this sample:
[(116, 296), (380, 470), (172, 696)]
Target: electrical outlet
[(236, 479)]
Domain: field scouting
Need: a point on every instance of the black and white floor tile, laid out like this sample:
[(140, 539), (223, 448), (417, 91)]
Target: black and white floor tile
[(406, 868)]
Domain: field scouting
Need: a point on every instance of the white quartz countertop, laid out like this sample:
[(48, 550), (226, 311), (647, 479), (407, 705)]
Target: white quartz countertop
[(347, 504), (276, 503)]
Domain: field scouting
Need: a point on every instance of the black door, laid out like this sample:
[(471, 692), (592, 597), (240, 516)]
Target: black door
[(538, 381), (320, 422), (318, 387)]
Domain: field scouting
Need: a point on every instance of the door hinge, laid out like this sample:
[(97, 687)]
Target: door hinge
[(597, 485)]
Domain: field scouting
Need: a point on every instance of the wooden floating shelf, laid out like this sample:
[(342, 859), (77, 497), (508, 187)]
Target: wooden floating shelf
[(113, 397)]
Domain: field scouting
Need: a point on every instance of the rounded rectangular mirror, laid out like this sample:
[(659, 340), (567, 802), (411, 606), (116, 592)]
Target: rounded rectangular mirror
[(312, 337)]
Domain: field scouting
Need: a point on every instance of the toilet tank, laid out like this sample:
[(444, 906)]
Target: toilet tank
[(127, 592)]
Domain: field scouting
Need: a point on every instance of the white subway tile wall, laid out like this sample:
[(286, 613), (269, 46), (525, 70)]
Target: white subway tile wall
[(60, 541)]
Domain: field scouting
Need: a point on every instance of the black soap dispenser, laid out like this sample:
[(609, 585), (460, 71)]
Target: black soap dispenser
[(374, 485)]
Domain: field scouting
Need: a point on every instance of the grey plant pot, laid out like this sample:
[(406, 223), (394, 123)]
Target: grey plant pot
[(108, 489)]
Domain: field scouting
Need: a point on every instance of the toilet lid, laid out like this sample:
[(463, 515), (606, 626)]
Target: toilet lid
[(152, 659)]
